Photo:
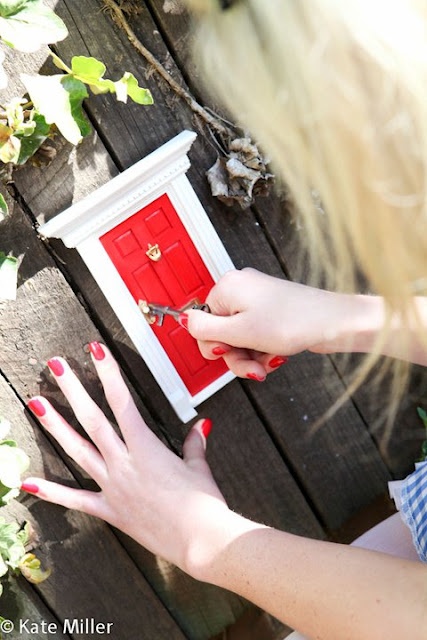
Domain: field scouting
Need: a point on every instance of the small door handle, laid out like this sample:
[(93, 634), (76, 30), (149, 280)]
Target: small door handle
[(153, 252)]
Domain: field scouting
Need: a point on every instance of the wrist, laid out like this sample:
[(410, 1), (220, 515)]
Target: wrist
[(206, 558), (354, 325)]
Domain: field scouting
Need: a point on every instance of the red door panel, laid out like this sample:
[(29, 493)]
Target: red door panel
[(176, 279)]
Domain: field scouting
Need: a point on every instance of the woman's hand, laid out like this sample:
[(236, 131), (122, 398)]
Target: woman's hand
[(170, 505), (257, 321)]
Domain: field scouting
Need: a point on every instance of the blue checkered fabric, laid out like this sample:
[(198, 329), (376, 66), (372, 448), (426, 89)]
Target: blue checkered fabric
[(414, 507)]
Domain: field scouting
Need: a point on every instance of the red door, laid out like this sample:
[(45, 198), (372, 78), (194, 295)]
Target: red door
[(176, 279)]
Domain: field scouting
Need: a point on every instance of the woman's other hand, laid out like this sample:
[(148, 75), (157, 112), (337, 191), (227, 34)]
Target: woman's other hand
[(171, 506)]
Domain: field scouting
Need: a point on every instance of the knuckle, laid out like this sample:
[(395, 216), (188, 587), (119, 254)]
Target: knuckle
[(231, 277), (91, 422), (197, 322), (206, 350), (80, 451), (118, 398)]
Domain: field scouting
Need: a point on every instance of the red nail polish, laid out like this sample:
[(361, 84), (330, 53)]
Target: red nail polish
[(37, 407), (277, 361), (206, 427), (96, 350), (255, 376), (219, 351), (29, 487), (56, 366), (183, 320)]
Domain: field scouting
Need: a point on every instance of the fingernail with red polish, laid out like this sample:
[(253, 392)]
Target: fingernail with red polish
[(183, 320), (219, 351), (96, 350), (56, 367), (29, 487), (37, 407), (255, 376), (206, 427), (277, 361)]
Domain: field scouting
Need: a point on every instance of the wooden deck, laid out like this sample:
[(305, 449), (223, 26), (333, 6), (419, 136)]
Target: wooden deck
[(269, 462)]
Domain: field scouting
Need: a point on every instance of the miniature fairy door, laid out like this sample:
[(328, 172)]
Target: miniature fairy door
[(175, 275), (144, 235)]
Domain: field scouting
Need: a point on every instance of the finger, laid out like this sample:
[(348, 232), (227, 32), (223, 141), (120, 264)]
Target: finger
[(213, 350), (230, 329), (78, 448), (86, 410), (271, 363), (90, 502), (244, 364), (118, 396), (222, 297), (194, 447), (195, 443)]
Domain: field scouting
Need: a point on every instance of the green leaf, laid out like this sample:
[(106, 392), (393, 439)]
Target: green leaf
[(25, 533), (5, 132), (28, 24), (128, 86), (31, 569), (3, 567), (30, 143), (12, 551), (51, 98), (13, 462), (91, 71), (8, 277), (77, 93), (423, 415), (60, 64), (4, 209), (9, 150), (10, 7)]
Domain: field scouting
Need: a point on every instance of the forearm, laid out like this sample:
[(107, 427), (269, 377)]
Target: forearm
[(360, 322), (327, 591)]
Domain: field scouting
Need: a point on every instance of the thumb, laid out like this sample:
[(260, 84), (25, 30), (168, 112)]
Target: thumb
[(194, 447), (210, 327)]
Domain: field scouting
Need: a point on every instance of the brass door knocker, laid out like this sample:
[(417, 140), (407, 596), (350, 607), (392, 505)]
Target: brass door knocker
[(153, 252)]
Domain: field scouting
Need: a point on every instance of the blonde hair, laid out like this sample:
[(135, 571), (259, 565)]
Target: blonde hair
[(336, 93)]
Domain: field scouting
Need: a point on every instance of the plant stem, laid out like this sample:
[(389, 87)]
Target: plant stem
[(197, 108)]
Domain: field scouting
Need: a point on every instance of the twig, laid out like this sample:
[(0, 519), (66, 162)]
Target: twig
[(197, 108)]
